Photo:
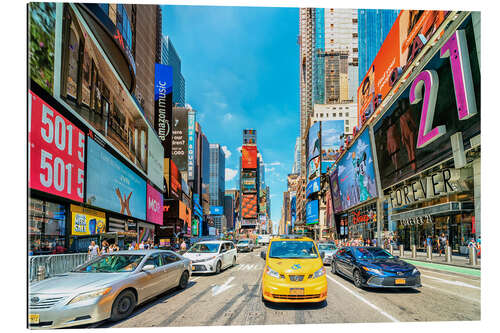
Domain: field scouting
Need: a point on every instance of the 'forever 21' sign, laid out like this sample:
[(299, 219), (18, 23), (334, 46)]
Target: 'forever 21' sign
[(56, 151)]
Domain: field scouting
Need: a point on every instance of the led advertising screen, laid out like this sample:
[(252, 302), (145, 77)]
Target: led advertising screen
[(163, 106), (155, 159), (180, 138), (191, 143), (312, 212), (249, 157), (166, 176), (262, 201), (56, 151), (249, 206), (175, 180), (86, 221), (216, 210), (332, 132), (313, 169), (313, 141), (248, 184), (293, 207), (249, 137), (154, 210), (313, 186), (335, 190), (113, 186), (356, 173), (407, 143)]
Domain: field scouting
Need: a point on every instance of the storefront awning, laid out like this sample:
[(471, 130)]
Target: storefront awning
[(453, 207)]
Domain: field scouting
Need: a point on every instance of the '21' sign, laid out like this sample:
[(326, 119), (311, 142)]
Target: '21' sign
[(56, 151), (426, 84)]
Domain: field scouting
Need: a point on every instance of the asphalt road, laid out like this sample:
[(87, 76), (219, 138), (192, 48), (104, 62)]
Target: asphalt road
[(233, 298)]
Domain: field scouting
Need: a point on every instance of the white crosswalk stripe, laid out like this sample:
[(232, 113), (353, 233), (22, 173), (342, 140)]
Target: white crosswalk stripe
[(248, 267)]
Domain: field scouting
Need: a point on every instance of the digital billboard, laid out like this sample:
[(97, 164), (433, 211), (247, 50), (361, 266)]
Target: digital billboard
[(313, 140), (249, 157), (409, 33), (154, 209), (313, 186), (313, 169), (191, 144), (262, 201), (293, 208), (356, 174), (312, 212), (86, 221), (163, 106), (335, 190), (56, 151), (249, 137), (112, 185), (248, 184), (180, 138), (332, 132), (175, 180), (249, 206), (155, 159), (216, 210), (407, 142)]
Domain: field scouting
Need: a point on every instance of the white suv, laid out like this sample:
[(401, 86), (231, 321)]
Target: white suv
[(211, 256)]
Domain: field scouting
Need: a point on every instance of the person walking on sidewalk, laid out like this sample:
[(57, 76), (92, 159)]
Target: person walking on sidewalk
[(93, 250), (442, 243)]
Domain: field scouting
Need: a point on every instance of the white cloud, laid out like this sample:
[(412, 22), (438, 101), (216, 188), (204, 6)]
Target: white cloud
[(230, 174), (227, 152), (269, 169), (239, 149), (273, 163), (222, 105), (228, 117)]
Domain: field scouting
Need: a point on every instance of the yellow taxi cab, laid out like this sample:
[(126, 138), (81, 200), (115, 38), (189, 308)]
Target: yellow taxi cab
[(294, 271)]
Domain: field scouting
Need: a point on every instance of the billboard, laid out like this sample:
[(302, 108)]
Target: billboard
[(263, 201), (180, 138), (216, 210), (191, 144), (335, 190), (56, 151), (166, 176), (175, 180), (312, 212), (248, 184), (154, 209), (313, 168), (332, 132), (86, 221), (313, 186), (249, 157), (163, 106), (293, 207), (356, 174), (112, 185), (249, 137), (155, 159), (407, 142), (249, 206), (410, 32), (313, 140)]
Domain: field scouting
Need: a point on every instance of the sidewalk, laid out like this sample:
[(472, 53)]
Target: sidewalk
[(456, 260)]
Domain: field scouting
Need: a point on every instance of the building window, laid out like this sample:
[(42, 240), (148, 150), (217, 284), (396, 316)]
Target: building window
[(347, 121), (354, 20), (347, 129), (321, 115), (46, 227), (334, 115), (355, 35), (340, 114)]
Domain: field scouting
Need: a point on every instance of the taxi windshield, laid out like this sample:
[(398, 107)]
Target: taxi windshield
[(293, 249), (204, 248)]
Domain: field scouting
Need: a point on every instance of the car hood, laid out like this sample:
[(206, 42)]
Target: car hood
[(295, 266), (70, 283), (388, 265), (198, 256)]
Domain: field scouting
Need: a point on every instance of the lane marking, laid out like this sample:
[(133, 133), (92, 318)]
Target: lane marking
[(219, 289), (196, 278), (456, 283), (451, 293), (364, 300)]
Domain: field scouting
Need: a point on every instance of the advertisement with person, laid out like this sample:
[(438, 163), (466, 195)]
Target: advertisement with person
[(249, 206), (86, 221), (262, 201), (332, 132), (335, 190), (312, 212), (113, 186), (175, 180), (154, 210), (402, 144), (313, 168), (56, 151), (249, 157), (356, 174), (155, 159), (90, 87), (163, 106), (314, 141), (313, 186), (180, 138)]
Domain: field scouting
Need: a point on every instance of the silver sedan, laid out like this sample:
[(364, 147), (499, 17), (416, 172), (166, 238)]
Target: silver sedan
[(109, 286)]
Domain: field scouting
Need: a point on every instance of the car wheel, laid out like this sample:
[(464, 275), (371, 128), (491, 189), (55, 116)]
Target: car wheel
[(183, 282), (234, 261), (357, 279), (334, 267), (123, 305), (218, 267)]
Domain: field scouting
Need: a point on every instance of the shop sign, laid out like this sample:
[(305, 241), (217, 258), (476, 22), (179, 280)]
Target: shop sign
[(417, 220), (191, 144), (85, 221), (359, 217), (439, 183), (164, 242), (56, 151)]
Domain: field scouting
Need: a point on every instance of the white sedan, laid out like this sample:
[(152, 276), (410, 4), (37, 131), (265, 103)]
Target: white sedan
[(211, 256)]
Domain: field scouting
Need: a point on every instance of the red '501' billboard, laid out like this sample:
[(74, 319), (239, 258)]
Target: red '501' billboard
[(56, 151)]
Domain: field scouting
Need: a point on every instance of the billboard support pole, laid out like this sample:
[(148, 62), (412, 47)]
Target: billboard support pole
[(380, 193)]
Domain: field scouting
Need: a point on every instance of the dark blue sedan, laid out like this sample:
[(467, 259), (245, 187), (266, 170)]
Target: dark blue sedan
[(369, 266)]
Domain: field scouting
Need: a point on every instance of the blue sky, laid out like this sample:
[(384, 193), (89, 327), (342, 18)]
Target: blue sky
[(241, 68)]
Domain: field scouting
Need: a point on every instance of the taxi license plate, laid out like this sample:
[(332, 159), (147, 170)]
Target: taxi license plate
[(34, 318), (400, 281), (297, 291)]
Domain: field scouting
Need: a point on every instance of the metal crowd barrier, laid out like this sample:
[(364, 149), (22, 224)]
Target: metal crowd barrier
[(45, 266)]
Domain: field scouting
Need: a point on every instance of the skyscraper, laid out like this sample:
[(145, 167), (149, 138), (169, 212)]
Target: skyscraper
[(217, 182), (296, 157), (170, 57)]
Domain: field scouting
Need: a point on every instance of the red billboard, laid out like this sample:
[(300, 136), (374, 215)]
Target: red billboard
[(175, 180), (56, 151), (249, 157), (410, 32), (249, 206)]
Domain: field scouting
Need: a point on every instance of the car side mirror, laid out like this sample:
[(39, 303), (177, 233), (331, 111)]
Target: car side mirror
[(322, 254), (263, 254), (148, 267)]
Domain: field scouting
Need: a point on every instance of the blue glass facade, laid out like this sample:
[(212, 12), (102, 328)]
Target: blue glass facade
[(170, 57), (319, 61), (373, 27)]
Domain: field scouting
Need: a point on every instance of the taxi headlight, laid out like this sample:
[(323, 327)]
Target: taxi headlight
[(319, 272), (273, 273), (373, 270), (90, 295)]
